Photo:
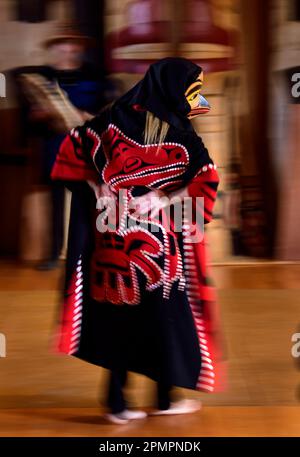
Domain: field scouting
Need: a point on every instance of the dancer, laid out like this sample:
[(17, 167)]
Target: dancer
[(137, 293)]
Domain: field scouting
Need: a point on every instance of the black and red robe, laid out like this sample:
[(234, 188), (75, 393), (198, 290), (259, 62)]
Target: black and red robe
[(139, 296)]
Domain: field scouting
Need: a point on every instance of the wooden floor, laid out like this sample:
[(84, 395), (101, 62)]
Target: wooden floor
[(43, 394), (211, 421)]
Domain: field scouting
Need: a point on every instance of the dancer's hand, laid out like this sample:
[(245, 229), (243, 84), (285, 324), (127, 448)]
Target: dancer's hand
[(102, 191), (150, 204)]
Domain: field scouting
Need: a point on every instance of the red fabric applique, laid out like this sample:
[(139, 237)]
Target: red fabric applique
[(71, 162), (114, 266), (132, 164)]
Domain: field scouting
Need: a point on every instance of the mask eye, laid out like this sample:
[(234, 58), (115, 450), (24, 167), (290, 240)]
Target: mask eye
[(193, 97)]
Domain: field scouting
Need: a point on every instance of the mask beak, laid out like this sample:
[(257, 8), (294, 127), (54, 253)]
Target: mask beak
[(203, 104), (202, 107)]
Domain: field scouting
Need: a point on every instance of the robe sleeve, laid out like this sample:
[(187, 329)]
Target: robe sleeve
[(205, 185), (202, 180), (74, 161)]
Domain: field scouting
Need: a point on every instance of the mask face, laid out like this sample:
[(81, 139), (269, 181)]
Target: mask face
[(198, 104)]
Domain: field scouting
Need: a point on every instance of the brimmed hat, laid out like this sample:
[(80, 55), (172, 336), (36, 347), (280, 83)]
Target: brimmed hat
[(68, 32)]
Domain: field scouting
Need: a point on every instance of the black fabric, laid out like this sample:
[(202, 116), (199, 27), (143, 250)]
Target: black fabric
[(162, 89), (115, 397), (150, 339), (163, 395)]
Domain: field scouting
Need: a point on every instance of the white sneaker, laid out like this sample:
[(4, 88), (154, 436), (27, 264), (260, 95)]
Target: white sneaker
[(125, 416), (185, 406), (115, 418), (132, 414)]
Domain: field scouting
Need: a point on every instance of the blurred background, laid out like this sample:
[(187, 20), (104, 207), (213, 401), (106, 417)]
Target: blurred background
[(249, 50), (245, 48)]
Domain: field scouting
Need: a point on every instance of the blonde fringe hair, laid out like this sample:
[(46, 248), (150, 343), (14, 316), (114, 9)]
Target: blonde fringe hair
[(155, 129)]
